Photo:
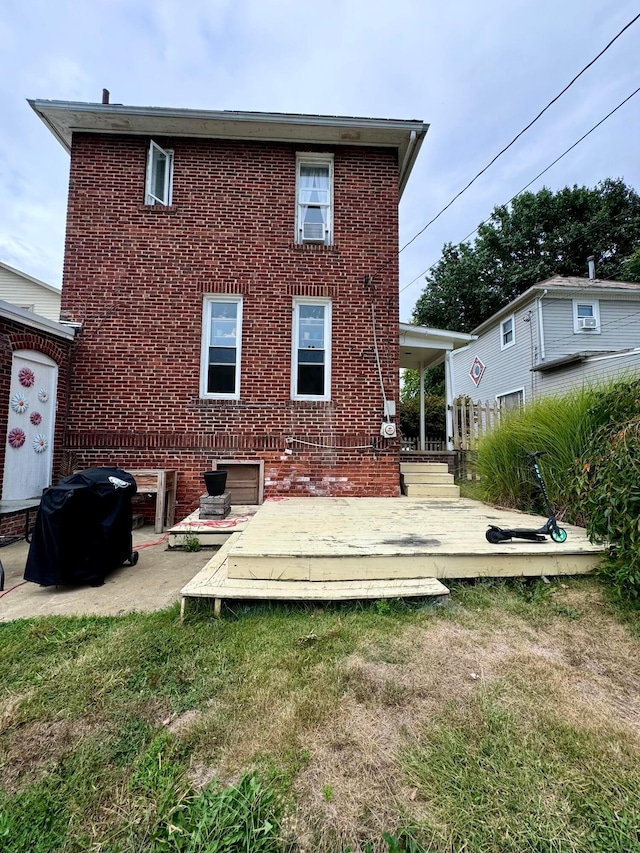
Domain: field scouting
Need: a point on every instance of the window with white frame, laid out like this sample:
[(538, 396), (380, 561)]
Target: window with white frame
[(159, 175), (221, 340), (511, 400), (311, 358), (586, 316), (508, 332), (314, 198)]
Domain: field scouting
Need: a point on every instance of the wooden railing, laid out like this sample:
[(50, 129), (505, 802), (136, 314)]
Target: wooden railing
[(413, 443)]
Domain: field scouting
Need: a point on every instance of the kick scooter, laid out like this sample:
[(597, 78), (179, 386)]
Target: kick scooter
[(496, 534)]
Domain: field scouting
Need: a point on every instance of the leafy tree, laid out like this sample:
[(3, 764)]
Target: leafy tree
[(435, 417), (540, 235)]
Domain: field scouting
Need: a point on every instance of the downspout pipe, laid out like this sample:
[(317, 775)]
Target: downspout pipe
[(540, 326)]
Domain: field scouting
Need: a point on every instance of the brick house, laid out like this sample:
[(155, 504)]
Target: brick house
[(235, 276)]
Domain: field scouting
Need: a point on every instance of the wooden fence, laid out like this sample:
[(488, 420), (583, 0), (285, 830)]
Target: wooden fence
[(471, 421)]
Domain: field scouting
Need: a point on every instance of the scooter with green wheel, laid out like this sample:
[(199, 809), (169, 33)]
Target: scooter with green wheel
[(495, 534)]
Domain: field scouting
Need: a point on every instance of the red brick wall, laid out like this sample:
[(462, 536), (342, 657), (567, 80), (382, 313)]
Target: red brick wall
[(18, 336), (135, 277)]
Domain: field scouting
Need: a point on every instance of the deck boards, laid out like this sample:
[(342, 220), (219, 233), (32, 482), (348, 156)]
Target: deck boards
[(325, 539), (342, 548)]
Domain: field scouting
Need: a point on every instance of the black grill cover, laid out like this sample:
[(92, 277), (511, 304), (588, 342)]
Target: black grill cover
[(83, 528)]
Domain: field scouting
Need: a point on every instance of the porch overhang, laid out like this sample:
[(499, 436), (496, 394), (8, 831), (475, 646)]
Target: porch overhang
[(423, 347)]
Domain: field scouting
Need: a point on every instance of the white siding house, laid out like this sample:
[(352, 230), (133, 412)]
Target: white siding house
[(24, 291), (563, 333)]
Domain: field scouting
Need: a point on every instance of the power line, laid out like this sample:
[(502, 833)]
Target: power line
[(524, 130), (533, 180)]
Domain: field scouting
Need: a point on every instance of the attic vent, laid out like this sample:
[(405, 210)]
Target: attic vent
[(587, 323)]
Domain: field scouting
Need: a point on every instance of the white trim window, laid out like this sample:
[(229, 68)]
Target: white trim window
[(314, 198), (311, 355), (511, 400), (159, 181), (508, 332), (221, 344), (586, 316)]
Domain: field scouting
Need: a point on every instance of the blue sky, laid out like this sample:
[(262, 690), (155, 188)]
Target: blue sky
[(476, 72)]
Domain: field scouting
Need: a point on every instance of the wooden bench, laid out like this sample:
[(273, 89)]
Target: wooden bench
[(162, 484)]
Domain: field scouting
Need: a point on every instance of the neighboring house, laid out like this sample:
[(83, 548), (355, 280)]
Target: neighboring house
[(29, 293), (34, 354), (235, 276), (563, 333)]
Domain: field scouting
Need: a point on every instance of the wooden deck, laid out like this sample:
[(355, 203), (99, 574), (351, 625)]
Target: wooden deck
[(213, 532), (333, 548)]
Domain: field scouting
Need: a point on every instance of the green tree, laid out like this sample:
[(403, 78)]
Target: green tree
[(539, 235)]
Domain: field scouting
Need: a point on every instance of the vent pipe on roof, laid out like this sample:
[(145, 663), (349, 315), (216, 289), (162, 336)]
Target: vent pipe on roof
[(105, 96), (592, 267)]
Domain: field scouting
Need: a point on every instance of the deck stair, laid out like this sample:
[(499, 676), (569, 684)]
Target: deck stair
[(215, 582), (427, 480)]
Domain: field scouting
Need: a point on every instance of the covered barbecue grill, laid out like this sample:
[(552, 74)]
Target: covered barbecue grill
[(83, 529)]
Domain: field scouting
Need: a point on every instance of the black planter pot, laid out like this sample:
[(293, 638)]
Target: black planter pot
[(215, 481)]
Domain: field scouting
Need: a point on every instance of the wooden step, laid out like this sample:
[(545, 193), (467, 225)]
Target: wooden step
[(419, 467), (432, 490), (213, 582), (427, 477)]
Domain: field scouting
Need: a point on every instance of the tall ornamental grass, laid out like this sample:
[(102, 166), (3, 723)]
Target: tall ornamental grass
[(591, 441), (558, 426)]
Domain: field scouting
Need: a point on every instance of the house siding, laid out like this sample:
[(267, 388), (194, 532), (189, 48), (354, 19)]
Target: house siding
[(590, 372), (23, 292), (135, 277), (505, 370), (619, 324)]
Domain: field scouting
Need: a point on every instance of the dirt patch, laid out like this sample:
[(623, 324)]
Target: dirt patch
[(585, 670), (30, 749)]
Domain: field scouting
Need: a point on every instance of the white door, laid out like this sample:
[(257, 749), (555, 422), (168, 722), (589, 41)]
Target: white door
[(32, 405)]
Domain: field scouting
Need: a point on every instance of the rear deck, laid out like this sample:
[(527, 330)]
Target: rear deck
[(336, 548)]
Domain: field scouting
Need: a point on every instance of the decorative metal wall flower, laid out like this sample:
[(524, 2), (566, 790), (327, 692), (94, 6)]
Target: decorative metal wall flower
[(40, 443), (26, 377), (19, 403), (17, 437), (35, 418), (43, 395)]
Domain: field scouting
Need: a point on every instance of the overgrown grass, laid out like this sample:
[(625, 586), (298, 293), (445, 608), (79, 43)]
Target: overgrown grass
[(591, 441), (265, 731), (503, 774), (558, 426)]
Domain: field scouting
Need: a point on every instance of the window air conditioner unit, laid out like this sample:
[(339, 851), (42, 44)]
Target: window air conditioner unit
[(313, 232), (587, 323)]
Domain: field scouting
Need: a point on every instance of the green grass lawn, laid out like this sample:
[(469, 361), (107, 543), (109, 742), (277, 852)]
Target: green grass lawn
[(507, 721)]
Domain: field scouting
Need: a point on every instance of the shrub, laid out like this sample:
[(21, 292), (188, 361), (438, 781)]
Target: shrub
[(608, 483)]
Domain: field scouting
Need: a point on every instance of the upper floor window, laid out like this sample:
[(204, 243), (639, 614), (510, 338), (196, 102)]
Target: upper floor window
[(507, 332), (314, 193), (159, 175), (221, 340), (586, 315), (311, 373)]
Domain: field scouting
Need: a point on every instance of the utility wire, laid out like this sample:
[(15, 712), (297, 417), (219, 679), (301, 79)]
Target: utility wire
[(533, 180), (524, 130)]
